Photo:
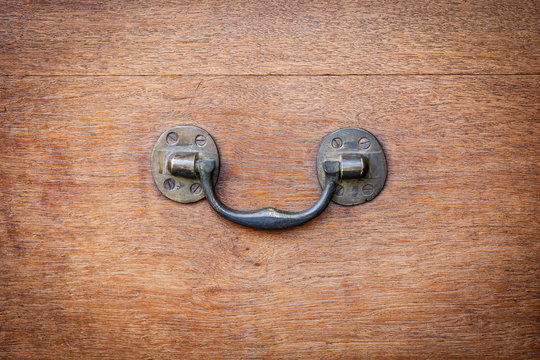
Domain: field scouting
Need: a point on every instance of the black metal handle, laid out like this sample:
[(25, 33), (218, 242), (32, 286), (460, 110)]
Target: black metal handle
[(351, 168), (268, 218)]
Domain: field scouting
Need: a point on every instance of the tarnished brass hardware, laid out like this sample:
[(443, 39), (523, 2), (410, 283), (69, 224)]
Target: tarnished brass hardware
[(182, 164), (363, 165), (173, 162), (351, 168)]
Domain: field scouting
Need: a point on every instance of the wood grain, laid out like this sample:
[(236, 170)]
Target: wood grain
[(278, 37), (95, 263)]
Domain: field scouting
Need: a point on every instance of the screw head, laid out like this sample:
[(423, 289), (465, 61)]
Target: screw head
[(367, 189), (172, 138), (364, 143), (337, 143), (169, 184), (200, 140), (196, 188)]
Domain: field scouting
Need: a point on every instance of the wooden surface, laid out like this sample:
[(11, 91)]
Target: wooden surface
[(96, 263), (260, 37)]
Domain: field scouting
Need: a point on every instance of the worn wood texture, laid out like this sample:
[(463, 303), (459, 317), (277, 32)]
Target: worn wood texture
[(95, 263), (261, 37), (444, 263)]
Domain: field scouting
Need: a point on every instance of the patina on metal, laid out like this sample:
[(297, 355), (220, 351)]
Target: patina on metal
[(351, 168), (363, 165), (173, 162)]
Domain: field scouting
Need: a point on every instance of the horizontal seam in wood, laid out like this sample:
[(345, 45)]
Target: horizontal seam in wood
[(265, 75)]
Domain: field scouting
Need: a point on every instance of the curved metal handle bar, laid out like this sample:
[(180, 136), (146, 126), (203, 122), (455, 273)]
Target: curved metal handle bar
[(268, 218)]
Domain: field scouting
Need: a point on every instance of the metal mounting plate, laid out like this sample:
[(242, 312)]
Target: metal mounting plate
[(361, 143), (182, 139)]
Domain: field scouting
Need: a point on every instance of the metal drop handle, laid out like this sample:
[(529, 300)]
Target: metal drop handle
[(351, 168), (267, 218)]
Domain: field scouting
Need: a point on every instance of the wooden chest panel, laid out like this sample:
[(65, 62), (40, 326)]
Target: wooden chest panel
[(96, 263)]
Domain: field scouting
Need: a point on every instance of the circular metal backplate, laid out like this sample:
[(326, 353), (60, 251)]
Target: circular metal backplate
[(361, 143), (182, 139)]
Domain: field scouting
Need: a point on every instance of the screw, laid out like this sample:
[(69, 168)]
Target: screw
[(339, 190), (200, 140), (172, 138), (168, 184), (196, 188), (364, 143), (367, 189), (337, 143)]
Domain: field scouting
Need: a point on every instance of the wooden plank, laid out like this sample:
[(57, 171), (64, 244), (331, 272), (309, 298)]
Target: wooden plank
[(96, 263), (253, 37)]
